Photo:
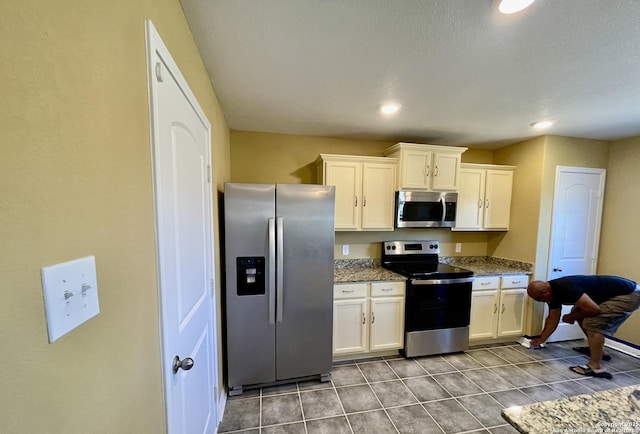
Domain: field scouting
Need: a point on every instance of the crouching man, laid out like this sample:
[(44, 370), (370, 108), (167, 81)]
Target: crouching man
[(600, 305)]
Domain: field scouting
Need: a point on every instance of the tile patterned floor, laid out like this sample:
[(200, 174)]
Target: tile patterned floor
[(454, 393)]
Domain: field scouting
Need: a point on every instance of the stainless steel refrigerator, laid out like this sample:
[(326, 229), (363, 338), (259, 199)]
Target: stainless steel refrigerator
[(279, 241)]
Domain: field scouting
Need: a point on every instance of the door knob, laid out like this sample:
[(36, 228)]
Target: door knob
[(185, 364), (557, 269)]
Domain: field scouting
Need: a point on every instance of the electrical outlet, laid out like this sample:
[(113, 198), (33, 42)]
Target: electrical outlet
[(345, 250), (458, 247), (70, 294)]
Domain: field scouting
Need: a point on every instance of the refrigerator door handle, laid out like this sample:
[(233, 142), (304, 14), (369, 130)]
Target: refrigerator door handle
[(280, 268), (272, 271)]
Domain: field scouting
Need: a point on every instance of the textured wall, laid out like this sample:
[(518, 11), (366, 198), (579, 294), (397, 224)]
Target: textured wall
[(75, 180)]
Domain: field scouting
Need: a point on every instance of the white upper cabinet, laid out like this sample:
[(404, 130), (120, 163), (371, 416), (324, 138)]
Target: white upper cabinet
[(427, 167), (365, 190), (484, 197)]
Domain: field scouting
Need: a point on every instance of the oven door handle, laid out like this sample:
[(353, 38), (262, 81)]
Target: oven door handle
[(441, 281)]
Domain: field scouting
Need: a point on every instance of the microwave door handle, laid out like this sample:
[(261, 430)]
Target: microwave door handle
[(444, 209)]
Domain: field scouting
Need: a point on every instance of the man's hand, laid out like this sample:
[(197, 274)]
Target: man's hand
[(568, 318), (536, 342)]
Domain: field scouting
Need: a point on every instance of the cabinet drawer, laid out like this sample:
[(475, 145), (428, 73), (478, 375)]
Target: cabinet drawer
[(387, 288), (350, 290), (486, 282), (516, 281)]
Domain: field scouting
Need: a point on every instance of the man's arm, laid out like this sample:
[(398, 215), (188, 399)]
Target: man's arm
[(584, 307), (550, 325)]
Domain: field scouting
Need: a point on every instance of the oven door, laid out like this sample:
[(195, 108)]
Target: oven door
[(422, 209), (437, 304)]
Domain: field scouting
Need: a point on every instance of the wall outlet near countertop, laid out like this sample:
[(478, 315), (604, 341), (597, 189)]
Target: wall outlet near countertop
[(345, 250), (458, 247)]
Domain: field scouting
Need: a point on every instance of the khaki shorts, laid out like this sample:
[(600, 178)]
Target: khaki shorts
[(613, 313)]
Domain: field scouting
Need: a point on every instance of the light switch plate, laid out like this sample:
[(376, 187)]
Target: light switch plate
[(70, 292)]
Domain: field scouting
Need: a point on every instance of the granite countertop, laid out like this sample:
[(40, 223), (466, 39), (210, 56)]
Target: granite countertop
[(487, 265), (370, 270), (362, 270), (608, 411)]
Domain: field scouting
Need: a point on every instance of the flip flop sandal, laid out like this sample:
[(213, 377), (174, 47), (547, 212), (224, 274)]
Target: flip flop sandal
[(589, 372), (587, 352)]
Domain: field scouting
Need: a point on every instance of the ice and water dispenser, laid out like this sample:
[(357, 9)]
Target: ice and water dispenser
[(250, 276)]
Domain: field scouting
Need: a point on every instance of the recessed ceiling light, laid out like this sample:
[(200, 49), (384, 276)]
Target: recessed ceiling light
[(389, 108), (540, 125), (513, 6)]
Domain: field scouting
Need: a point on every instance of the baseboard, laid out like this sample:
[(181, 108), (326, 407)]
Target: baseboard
[(222, 403), (622, 346)]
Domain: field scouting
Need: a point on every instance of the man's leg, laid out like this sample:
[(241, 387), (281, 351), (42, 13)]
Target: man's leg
[(596, 346)]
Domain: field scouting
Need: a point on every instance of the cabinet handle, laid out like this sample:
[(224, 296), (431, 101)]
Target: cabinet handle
[(515, 282), (387, 289), (485, 283), (373, 317), (355, 200), (428, 170), (364, 200), (495, 308), (364, 320), (480, 202), (436, 172), (487, 203), (347, 291), (502, 311), (557, 269)]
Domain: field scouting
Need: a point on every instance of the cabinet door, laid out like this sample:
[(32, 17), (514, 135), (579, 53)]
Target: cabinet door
[(498, 199), (512, 304), (469, 211), (347, 178), (387, 323), (378, 196), (350, 326), (446, 170), (416, 170), (484, 314)]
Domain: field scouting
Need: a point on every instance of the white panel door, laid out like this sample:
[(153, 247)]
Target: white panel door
[(346, 176), (575, 231), (484, 314), (387, 323), (378, 190), (350, 326), (181, 154)]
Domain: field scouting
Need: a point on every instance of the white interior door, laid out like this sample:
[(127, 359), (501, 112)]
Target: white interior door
[(575, 231), (181, 154)]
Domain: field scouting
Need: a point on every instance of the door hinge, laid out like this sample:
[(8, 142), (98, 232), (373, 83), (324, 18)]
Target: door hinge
[(159, 72), (209, 172)]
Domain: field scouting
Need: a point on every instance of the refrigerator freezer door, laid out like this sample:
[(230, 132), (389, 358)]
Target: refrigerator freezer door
[(248, 209), (305, 321)]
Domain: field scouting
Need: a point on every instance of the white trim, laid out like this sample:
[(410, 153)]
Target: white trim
[(622, 347), (155, 46)]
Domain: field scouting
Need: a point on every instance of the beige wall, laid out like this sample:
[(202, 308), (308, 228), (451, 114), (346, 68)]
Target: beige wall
[(620, 237), (75, 180)]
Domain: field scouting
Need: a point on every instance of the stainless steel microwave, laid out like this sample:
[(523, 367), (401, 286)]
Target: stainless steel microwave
[(425, 209)]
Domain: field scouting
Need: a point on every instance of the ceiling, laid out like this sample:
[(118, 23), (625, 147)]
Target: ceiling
[(463, 73)]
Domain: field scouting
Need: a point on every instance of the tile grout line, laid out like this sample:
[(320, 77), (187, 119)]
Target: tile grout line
[(376, 395), (344, 413), (420, 403)]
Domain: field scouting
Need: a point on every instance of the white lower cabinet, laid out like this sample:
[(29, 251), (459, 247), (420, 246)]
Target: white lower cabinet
[(368, 317), (498, 306)]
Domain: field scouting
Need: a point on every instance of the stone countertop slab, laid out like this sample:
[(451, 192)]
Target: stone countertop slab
[(363, 270), (365, 274), (608, 411), (486, 265)]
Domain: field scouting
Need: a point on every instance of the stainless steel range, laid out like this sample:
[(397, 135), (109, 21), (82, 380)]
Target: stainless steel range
[(438, 301)]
